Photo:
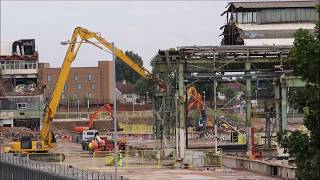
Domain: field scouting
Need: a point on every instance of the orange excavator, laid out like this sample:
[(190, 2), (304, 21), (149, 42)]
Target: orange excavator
[(105, 108), (195, 100)]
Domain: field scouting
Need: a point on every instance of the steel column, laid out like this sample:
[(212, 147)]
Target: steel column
[(248, 107), (284, 123), (181, 110), (277, 106)]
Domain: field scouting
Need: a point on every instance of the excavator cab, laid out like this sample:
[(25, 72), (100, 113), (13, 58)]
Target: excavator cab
[(26, 142)]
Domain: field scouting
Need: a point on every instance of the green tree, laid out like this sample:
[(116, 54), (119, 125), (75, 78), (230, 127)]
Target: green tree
[(304, 57), (124, 72), (229, 93)]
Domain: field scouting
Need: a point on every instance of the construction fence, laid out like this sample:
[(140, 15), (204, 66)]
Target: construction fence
[(133, 159), (120, 114), (15, 167)]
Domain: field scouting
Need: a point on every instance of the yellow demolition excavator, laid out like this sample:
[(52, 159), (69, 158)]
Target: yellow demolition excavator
[(47, 139)]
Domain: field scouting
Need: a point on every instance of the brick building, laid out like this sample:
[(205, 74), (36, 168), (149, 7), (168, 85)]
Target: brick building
[(83, 83)]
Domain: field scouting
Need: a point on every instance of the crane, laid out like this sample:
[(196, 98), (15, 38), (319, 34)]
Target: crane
[(47, 139)]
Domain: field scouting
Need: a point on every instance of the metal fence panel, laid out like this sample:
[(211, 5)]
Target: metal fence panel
[(14, 167)]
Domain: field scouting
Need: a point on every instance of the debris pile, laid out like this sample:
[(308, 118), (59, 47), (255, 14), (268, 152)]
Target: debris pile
[(26, 89), (7, 134)]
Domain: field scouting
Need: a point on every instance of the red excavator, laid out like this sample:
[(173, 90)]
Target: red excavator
[(105, 108)]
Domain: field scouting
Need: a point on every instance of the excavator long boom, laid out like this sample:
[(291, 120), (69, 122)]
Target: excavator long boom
[(83, 35)]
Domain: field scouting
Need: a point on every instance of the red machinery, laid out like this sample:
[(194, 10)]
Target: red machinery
[(105, 144), (105, 108), (197, 102)]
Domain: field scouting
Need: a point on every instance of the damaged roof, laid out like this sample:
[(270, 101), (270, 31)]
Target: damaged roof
[(273, 4)]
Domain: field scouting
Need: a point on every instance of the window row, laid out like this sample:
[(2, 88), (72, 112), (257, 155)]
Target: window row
[(19, 64), (78, 86), (276, 15), (75, 77), (76, 95)]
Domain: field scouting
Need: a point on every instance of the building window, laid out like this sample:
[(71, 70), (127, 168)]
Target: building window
[(90, 77), (79, 86), (52, 87), (247, 17), (21, 105), (65, 87), (49, 77), (62, 96), (76, 77), (76, 96), (89, 95), (92, 86)]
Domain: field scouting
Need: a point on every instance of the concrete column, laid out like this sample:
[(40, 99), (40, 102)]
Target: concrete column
[(215, 116), (248, 107), (284, 123), (181, 94), (215, 106), (277, 106)]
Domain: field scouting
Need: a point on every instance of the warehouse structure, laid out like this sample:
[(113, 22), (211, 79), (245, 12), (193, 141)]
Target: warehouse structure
[(267, 23)]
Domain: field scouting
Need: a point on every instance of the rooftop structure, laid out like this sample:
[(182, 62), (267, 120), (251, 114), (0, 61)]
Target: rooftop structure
[(267, 23)]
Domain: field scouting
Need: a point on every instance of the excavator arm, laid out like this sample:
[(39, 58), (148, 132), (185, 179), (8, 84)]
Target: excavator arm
[(105, 108), (195, 101), (83, 35)]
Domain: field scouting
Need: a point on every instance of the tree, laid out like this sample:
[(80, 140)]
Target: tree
[(124, 72), (304, 57), (229, 93)]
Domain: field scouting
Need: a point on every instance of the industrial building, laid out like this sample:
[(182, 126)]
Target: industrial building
[(21, 97), (266, 23)]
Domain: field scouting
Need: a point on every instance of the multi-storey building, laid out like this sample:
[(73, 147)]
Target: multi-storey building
[(83, 84), (267, 23), (21, 98)]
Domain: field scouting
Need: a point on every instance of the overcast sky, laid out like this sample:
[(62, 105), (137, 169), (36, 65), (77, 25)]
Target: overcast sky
[(144, 27)]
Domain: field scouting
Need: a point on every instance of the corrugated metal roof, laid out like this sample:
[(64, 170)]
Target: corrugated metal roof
[(274, 4)]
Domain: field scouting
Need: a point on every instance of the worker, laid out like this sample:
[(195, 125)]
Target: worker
[(120, 159)]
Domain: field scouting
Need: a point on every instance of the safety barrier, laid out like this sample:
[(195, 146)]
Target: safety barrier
[(134, 159), (138, 158), (120, 114), (15, 167)]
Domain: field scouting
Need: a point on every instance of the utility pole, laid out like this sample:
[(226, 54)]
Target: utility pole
[(147, 97), (115, 135)]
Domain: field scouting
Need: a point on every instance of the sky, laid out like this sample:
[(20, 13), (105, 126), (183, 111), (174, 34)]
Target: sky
[(141, 26)]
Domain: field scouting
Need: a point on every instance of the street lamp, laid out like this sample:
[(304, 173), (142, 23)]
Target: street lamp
[(147, 97)]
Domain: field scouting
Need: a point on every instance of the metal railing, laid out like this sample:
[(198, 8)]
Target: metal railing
[(16, 167)]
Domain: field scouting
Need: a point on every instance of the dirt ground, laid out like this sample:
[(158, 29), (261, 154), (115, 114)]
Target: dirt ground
[(81, 159)]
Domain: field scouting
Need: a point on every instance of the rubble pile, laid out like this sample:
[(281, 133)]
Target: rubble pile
[(7, 134), (25, 89)]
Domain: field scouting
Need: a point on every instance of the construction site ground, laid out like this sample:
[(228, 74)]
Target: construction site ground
[(76, 157)]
